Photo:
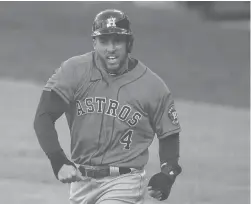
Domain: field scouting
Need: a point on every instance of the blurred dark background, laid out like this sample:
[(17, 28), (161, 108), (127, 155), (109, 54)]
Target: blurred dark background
[(200, 49), (220, 10)]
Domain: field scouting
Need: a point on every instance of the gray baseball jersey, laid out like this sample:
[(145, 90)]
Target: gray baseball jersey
[(113, 120)]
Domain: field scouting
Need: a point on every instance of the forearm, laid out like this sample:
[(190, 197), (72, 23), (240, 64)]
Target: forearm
[(44, 126), (50, 108), (169, 148), (46, 133), (169, 156)]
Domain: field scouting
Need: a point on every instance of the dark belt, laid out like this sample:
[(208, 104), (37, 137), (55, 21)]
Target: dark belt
[(101, 173)]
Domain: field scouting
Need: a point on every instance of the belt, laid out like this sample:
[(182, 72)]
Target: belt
[(103, 172)]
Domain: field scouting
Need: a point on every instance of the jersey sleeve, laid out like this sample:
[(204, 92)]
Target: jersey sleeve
[(63, 82), (165, 118)]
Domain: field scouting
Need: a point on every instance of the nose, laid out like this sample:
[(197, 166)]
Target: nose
[(111, 46)]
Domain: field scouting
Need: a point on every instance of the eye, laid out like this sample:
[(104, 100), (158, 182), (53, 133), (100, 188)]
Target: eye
[(119, 39), (103, 40)]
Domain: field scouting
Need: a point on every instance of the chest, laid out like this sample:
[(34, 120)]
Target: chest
[(126, 101)]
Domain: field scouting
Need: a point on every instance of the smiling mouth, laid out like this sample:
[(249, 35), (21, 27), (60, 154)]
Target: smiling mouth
[(112, 59)]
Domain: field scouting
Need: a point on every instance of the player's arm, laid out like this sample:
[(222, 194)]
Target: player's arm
[(58, 93), (161, 183), (169, 148), (50, 108), (166, 126)]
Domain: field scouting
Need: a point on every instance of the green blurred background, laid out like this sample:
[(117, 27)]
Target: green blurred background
[(201, 50), (201, 60)]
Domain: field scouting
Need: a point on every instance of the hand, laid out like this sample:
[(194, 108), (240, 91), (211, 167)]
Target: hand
[(69, 174), (154, 193)]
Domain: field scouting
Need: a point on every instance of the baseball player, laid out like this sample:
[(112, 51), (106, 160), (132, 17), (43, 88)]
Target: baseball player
[(114, 106)]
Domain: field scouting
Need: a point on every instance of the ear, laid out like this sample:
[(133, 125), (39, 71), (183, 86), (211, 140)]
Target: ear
[(94, 42), (130, 44)]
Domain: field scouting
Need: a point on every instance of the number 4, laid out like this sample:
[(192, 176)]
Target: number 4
[(126, 139)]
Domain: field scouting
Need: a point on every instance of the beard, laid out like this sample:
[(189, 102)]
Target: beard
[(116, 68)]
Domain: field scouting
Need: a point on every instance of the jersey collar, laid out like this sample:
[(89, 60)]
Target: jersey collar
[(128, 77), (132, 75)]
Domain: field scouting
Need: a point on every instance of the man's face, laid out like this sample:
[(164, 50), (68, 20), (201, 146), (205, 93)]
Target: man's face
[(111, 50)]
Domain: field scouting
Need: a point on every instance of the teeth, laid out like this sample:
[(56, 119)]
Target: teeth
[(111, 57)]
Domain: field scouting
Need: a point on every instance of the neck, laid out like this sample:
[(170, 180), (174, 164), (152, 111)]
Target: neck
[(122, 69)]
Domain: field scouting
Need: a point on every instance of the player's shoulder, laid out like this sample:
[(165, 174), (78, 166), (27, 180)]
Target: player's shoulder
[(78, 67), (154, 81), (79, 61)]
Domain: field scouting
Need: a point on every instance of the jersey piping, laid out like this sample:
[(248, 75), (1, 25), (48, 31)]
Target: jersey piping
[(117, 100)]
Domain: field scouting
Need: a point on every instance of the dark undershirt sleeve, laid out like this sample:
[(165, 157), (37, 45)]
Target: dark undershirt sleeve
[(169, 149), (50, 108)]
